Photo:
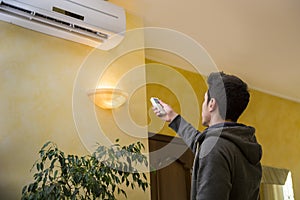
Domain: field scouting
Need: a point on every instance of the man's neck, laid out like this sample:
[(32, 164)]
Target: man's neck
[(219, 121), (215, 121)]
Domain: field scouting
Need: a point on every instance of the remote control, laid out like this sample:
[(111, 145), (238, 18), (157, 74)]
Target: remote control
[(156, 104)]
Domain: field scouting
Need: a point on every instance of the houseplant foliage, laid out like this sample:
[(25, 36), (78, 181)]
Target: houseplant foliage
[(101, 175)]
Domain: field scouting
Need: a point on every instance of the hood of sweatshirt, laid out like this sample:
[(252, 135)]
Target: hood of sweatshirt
[(242, 136)]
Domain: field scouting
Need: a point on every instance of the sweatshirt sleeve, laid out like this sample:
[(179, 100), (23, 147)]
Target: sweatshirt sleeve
[(186, 131)]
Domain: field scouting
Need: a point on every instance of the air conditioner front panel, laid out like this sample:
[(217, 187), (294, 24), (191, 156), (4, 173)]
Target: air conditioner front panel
[(67, 19), (76, 37), (95, 12)]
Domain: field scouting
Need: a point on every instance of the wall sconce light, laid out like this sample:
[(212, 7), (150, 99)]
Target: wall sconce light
[(108, 98)]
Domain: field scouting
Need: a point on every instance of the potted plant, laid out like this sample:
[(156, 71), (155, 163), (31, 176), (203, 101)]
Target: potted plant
[(101, 175)]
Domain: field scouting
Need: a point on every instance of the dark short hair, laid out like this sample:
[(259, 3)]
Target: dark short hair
[(231, 94)]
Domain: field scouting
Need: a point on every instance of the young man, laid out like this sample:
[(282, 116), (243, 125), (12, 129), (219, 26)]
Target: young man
[(227, 155)]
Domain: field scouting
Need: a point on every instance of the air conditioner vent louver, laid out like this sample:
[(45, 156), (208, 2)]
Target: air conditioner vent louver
[(76, 26), (57, 23)]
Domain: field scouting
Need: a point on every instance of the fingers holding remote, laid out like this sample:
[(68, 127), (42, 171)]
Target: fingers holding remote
[(163, 110)]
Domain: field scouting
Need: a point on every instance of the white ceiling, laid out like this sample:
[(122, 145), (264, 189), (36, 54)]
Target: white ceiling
[(256, 40)]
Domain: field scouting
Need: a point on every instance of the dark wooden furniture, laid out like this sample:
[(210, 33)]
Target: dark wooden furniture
[(172, 163)]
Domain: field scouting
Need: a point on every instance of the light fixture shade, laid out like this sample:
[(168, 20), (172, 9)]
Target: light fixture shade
[(108, 98)]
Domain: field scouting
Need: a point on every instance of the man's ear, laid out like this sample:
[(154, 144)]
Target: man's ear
[(212, 105)]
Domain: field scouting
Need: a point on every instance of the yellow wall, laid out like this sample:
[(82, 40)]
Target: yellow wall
[(38, 75), (174, 85), (277, 123), (277, 120)]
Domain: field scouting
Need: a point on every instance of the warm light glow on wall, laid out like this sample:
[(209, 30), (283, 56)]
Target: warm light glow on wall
[(108, 98)]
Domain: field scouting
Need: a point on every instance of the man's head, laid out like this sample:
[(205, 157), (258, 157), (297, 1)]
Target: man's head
[(227, 94)]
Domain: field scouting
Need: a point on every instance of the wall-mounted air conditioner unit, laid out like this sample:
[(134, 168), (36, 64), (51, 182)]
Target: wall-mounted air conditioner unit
[(96, 23)]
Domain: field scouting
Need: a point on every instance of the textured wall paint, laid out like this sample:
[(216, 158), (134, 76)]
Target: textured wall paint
[(169, 88), (37, 76), (277, 121)]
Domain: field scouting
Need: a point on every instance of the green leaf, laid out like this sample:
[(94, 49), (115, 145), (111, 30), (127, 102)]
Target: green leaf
[(66, 191), (128, 160), (33, 187), (144, 187), (52, 163), (146, 162), (46, 144), (76, 191), (61, 154), (50, 154), (39, 179), (55, 173), (24, 189), (41, 166), (38, 166), (124, 193), (144, 176), (30, 187)]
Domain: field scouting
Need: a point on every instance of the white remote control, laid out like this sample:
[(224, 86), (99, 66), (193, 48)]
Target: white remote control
[(156, 104)]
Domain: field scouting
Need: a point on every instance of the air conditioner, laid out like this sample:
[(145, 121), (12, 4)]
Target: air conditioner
[(96, 23)]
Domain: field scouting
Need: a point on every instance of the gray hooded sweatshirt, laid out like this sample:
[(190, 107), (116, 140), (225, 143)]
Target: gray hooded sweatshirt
[(227, 160)]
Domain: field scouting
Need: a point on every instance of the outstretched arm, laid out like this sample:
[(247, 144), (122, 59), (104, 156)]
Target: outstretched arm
[(184, 129)]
